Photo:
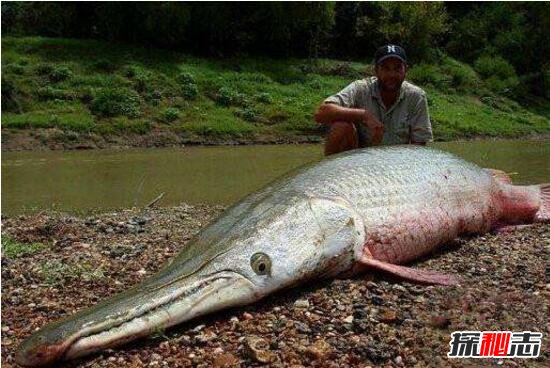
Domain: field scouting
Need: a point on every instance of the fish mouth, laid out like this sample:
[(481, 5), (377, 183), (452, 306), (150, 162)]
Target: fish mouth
[(68, 340)]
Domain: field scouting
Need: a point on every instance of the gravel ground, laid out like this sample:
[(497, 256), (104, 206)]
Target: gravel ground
[(371, 320)]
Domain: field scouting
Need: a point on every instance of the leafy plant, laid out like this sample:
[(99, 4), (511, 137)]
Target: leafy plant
[(115, 102)]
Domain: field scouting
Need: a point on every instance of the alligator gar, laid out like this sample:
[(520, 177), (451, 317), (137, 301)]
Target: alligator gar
[(370, 209)]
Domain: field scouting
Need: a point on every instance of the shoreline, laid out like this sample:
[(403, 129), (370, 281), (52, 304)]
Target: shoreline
[(53, 139)]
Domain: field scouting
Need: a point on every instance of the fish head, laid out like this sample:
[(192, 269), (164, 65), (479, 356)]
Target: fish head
[(295, 242), (237, 260)]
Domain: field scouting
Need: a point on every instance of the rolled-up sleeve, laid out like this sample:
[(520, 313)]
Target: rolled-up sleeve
[(346, 97), (421, 127)]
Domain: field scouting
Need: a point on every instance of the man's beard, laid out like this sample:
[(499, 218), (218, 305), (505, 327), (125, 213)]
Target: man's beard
[(386, 88)]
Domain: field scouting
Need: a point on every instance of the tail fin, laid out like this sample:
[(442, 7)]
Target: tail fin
[(543, 214)]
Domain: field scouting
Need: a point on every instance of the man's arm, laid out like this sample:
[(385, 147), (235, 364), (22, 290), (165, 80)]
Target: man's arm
[(328, 113)]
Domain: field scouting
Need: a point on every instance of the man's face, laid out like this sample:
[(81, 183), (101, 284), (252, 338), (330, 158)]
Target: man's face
[(391, 73)]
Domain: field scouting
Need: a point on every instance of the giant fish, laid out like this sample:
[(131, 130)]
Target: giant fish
[(371, 209)]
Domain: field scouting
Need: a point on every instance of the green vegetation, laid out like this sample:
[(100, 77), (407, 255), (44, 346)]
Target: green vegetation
[(55, 272), (15, 249), (62, 83)]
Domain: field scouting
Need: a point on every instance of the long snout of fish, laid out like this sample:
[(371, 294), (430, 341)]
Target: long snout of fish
[(141, 311)]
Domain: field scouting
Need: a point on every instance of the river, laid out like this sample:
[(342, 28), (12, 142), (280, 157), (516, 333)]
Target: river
[(98, 180)]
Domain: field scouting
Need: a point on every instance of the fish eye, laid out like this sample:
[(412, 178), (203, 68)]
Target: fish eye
[(260, 263)]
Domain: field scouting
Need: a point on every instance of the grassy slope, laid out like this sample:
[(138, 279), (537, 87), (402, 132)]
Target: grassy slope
[(89, 86)]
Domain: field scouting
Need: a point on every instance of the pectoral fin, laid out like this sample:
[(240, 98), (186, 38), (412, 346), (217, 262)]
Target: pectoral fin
[(410, 274)]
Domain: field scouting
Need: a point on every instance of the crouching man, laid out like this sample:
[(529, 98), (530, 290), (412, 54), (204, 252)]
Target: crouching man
[(378, 110)]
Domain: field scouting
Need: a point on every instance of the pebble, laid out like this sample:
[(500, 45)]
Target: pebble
[(301, 303), (398, 360), (388, 316), (257, 349), (247, 316), (225, 360), (5, 328), (440, 321), (319, 350), (198, 328), (348, 319)]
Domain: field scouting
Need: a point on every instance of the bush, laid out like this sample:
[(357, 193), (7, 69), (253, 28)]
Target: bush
[(131, 71), (44, 69), (248, 114), (141, 80), (50, 93), (189, 91), (171, 114), (429, 75), (462, 76), (264, 97), (186, 78), (60, 73), (415, 26), (54, 73), (9, 93), (499, 75), (494, 66), (115, 102), (15, 69), (229, 97)]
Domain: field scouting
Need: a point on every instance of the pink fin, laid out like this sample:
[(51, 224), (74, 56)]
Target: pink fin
[(500, 176), (543, 214), (410, 274)]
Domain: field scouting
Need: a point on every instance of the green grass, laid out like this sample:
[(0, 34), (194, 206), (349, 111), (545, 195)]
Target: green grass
[(55, 272), (62, 83), (15, 249)]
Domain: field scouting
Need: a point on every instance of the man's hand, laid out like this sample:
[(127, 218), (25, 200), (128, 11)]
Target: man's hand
[(376, 127), (329, 113)]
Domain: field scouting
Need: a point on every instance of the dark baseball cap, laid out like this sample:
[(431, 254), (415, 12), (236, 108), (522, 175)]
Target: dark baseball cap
[(388, 51)]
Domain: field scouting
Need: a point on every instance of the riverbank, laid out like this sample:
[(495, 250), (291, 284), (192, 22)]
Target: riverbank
[(58, 140), (76, 94), (54, 264)]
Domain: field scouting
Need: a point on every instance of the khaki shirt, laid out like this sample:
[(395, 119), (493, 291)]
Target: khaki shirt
[(406, 121)]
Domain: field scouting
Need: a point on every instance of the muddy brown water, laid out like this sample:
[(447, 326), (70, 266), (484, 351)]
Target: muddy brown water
[(87, 181)]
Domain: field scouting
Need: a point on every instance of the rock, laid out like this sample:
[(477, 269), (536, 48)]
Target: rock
[(256, 348), (198, 328), (319, 350), (301, 303), (204, 337), (440, 321), (302, 327), (225, 360), (348, 319), (247, 316), (388, 316), (398, 360)]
